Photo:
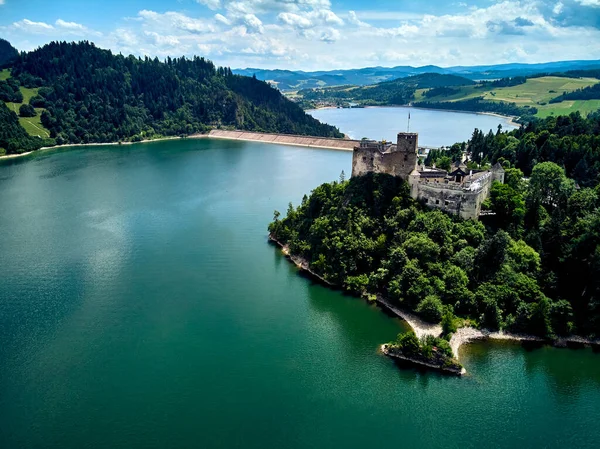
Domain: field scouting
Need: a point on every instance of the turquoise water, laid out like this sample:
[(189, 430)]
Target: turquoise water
[(435, 128), (142, 307)]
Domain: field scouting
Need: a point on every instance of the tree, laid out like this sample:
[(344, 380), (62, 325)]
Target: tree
[(431, 308), (26, 110), (408, 343), (549, 187)]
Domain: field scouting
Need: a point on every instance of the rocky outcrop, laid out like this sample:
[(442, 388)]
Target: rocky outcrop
[(436, 362)]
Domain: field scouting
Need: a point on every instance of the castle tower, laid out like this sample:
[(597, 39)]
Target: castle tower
[(408, 146)]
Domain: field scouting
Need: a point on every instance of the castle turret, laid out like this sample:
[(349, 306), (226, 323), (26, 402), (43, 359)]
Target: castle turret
[(408, 145)]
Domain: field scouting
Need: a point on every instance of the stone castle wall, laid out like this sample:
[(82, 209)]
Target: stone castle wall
[(368, 160), (465, 203)]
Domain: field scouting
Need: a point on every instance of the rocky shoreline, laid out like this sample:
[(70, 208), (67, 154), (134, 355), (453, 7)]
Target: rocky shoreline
[(390, 351)]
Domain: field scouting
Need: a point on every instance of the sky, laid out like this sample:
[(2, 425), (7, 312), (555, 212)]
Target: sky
[(317, 34)]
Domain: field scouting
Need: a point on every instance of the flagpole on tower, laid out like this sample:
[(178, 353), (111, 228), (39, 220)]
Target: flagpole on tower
[(408, 127)]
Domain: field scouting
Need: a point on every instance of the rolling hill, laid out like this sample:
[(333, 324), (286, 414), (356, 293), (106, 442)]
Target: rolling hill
[(288, 80)]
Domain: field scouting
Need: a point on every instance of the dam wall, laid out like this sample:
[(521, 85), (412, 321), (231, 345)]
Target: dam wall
[(286, 139)]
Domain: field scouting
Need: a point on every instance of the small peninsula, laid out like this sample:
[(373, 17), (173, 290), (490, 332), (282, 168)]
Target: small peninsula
[(520, 264)]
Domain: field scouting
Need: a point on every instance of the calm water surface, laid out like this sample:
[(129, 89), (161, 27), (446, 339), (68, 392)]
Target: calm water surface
[(435, 128), (141, 307)]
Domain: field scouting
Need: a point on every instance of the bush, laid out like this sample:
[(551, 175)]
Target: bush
[(26, 110), (37, 101), (408, 343), (431, 308), (449, 324)]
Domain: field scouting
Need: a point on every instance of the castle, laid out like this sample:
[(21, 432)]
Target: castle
[(459, 191)]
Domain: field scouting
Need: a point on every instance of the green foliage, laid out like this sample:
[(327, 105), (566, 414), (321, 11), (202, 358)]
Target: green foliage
[(91, 95), (8, 53), (429, 349), (479, 105), (13, 137), (26, 110), (431, 308), (408, 343), (535, 268)]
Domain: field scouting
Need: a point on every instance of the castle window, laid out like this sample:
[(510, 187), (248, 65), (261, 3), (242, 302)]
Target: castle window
[(364, 158), (426, 200), (405, 157), (446, 203), (437, 201)]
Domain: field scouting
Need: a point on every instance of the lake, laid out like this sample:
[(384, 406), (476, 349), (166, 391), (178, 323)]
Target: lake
[(142, 307), (436, 128)]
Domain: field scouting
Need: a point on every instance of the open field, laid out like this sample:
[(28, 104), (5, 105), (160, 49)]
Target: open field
[(536, 92), (566, 107), (32, 125)]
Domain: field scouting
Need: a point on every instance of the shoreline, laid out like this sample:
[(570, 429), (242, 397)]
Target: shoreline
[(421, 328), (96, 144), (329, 143)]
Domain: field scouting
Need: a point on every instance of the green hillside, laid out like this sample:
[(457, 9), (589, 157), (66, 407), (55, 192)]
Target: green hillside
[(433, 90), (33, 125), (84, 94)]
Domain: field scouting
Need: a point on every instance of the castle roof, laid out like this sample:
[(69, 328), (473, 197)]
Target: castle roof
[(498, 168)]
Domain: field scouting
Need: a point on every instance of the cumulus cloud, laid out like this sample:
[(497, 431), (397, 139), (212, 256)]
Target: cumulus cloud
[(253, 23), (69, 25), (175, 21), (222, 19), (59, 29), (354, 20), (331, 35), (311, 34), (32, 27)]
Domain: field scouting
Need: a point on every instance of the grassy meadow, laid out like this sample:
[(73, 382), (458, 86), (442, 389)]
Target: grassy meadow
[(535, 92), (32, 125)]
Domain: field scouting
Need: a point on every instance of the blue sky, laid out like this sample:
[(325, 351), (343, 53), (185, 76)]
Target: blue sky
[(317, 34)]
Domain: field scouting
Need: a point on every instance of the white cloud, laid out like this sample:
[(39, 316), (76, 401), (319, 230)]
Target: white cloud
[(212, 4), (331, 35), (221, 18), (163, 41), (33, 27), (253, 23), (354, 20), (309, 34), (69, 25), (295, 20), (175, 21), (594, 3)]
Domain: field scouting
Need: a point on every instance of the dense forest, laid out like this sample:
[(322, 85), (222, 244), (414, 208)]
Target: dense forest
[(91, 95), (8, 53), (532, 267), (479, 105)]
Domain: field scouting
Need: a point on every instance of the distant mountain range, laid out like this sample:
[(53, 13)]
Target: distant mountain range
[(294, 80)]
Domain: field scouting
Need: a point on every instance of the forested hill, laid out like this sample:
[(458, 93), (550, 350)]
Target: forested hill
[(8, 53), (399, 91), (532, 266), (92, 95)]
